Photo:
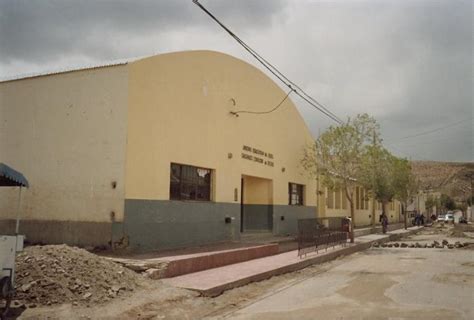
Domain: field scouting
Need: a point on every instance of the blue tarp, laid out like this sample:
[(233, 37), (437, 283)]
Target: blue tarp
[(9, 177)]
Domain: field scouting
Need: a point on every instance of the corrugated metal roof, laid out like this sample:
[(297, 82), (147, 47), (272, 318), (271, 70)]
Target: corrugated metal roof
[(72, 69), (9, 177)]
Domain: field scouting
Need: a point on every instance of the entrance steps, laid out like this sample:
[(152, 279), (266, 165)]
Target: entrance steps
[(176, 265)]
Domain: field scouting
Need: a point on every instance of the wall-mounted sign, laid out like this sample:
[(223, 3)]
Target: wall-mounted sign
[(257, 155)]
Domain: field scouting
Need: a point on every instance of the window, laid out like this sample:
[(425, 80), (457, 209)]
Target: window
[(330, 198), (338, 198), (295, 193), (366, 199), (190, 183), (357, 198), (344, 200)]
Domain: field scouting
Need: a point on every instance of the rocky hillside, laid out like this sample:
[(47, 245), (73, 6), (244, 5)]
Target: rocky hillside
[(451, 178)]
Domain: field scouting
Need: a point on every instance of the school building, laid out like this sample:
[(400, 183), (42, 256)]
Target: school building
[(160, 152)]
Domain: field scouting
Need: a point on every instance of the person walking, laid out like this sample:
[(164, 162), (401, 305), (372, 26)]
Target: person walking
[(417, 218), (384, 221)]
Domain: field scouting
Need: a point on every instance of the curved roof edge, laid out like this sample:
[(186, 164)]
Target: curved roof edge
[(105, 64), (241, 61)]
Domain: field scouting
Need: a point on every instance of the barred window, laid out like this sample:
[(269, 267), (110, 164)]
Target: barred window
[(330, 198), (357, 198), (190, 183), (338, 198), (295, 193)]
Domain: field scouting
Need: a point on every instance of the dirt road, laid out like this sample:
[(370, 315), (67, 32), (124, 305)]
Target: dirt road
[(379, 283)]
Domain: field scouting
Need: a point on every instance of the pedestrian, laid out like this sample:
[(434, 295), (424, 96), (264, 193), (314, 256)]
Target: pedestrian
[(422, 219), (384, 220)]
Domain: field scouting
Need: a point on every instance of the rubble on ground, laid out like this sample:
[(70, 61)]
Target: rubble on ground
[(434, 244), (56, 274)]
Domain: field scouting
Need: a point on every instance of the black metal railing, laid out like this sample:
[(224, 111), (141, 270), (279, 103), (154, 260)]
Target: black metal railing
[(321, 233)]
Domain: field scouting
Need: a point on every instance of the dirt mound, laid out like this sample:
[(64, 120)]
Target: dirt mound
[(56, 274)]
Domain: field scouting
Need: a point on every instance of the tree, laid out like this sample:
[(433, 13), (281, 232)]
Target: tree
[(404, 183), (431, 202), (337, 155), (447, 203), (379, 174)]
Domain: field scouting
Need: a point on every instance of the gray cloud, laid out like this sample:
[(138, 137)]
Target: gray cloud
[(44, 30), (408, 63)]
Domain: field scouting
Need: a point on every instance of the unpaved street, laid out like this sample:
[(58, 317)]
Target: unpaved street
[(379, 283)]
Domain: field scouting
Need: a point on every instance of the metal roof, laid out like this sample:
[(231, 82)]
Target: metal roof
[(9, 177), (72, 69)]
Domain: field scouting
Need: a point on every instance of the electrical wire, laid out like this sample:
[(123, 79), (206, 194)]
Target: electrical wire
[(279, 75), (434, 130), (452, 136), (236, 113)]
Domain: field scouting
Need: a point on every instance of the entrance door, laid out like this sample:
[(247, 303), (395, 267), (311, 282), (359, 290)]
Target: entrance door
[(256, 204)]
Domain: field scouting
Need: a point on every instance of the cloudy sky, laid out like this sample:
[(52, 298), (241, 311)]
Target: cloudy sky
[(406, 62)]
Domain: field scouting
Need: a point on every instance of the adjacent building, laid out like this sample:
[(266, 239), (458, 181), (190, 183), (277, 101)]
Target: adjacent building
[(334, 203)]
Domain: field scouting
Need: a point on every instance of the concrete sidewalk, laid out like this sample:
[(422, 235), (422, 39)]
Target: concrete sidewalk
[(213, 282)]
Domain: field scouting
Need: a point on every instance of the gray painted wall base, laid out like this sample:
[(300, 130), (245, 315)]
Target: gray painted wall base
[(162, 224), (159, 224), (291, 214), (57, 232)]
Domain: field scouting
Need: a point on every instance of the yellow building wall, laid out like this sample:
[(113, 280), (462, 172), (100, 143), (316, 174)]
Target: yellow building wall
[(66, 134), (179, 111), (363, 217)]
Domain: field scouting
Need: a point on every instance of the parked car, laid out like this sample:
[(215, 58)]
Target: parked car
[(441, 218), (449, 218), (462, 220)]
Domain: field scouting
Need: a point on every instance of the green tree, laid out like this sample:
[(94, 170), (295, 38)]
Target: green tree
[(447, 203), (378, 174), (404, 183), (337, 155), (431, 202)]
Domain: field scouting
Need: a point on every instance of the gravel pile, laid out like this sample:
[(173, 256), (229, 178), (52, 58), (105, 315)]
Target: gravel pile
[(56, 274)]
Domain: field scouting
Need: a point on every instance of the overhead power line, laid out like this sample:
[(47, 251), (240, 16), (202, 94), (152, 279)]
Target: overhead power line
[(279, 75), (433, 130)]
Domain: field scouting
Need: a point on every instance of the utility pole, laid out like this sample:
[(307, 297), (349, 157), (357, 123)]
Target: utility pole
[(373, 180)]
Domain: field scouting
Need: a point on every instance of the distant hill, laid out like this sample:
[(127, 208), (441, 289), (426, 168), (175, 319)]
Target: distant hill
[(450, 178)]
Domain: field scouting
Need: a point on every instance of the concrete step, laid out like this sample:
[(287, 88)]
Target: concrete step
[(172, 266), (179, 265)]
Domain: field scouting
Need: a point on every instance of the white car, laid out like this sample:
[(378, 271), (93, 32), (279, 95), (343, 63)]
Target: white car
[(449, 217), (441, 218)]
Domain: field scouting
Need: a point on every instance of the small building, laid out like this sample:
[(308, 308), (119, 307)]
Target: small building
[(162, 152)]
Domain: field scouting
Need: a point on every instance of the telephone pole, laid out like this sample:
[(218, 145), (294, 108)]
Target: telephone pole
[(373, 180)]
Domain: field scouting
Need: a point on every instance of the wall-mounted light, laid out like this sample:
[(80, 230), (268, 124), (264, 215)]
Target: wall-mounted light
[(283, 169), (229, 155), (112, 215), (114, 184)]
